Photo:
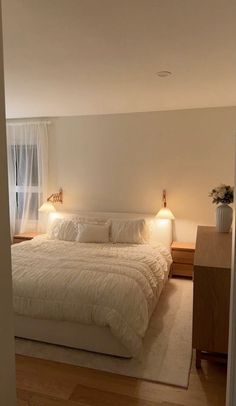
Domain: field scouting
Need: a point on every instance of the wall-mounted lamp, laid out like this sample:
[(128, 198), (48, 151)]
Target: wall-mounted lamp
[(165, 213), (56, 197), (48, 207)]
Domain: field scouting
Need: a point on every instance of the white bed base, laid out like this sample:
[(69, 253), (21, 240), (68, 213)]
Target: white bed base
[(75, 335), (81, 336), (86, 337)]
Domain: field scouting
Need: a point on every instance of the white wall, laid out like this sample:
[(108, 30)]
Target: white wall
[(7, 367), (122, 162)]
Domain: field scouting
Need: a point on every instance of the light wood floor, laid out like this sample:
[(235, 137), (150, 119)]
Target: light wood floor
[(47, 383)]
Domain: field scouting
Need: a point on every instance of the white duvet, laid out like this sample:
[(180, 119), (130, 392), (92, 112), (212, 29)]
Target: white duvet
[(115, 285)]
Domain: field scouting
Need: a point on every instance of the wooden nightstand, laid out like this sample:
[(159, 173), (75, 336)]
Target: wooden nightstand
[(183, 258), (23, 237)]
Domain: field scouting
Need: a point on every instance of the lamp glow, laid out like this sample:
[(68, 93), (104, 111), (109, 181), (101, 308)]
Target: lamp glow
[(165, 214), (47, 207)]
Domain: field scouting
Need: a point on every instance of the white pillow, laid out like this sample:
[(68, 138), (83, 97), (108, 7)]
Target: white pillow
[(62, 229), (93, 232), (129, 231), (92, 220), (54, 228)]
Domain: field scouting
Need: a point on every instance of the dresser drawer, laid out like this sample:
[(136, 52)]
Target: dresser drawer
[(183, 257)]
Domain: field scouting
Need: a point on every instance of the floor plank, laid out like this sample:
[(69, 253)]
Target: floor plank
[(48, 383), (97, 397), (22, 403), (45, 377), (36, 399)]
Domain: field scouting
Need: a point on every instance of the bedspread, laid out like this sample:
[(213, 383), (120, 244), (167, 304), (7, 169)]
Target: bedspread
[(115, 285)]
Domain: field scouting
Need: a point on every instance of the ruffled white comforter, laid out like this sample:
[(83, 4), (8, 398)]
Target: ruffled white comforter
[(115, 285)]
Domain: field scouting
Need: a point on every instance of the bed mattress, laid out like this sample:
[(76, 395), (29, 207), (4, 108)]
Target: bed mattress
[(115, 286)]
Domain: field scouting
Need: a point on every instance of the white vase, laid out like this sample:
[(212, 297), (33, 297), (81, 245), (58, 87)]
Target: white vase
[(224, 217)]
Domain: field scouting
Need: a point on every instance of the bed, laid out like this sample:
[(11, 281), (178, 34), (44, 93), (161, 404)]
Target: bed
[(96, 297)]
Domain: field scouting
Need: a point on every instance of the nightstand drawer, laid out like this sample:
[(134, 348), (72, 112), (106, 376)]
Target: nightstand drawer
[(182, 269), (183, 257)]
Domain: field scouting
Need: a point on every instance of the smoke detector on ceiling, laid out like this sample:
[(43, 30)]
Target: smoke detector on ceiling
[(164, 73)]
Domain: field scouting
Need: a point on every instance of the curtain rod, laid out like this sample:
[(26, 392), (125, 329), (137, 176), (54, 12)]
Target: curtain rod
[(28, 122)]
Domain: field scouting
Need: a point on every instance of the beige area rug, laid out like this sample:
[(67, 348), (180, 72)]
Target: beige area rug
[(167, 345)]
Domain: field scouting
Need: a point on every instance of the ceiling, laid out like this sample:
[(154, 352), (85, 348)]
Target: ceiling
[(77, 57)]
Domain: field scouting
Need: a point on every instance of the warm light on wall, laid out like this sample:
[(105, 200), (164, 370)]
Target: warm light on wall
[(165, 213), (163, 222)]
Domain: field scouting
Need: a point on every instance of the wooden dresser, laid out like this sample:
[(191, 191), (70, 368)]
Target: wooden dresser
[(211, 298)]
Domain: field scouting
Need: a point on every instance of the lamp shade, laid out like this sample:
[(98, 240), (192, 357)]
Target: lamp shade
[(47, 208), (165, 214)]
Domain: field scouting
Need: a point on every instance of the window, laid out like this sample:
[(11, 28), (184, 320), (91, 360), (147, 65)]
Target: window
[(27, 187), (27, 168)]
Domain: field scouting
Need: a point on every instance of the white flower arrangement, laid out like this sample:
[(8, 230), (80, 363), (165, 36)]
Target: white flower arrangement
[(222, 194)]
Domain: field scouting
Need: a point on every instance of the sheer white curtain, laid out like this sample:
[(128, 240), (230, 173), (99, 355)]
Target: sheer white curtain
[(27, 173)]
